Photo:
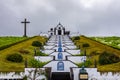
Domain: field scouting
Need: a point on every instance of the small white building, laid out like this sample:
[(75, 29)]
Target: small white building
[(58, 30)]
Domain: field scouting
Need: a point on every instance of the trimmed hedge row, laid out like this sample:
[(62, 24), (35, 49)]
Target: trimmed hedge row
[(7, 46)]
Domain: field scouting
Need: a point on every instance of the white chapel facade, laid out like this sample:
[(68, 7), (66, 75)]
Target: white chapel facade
[(59, 30)]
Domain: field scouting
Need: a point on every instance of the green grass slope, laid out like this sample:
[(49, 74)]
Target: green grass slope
[(95, 49), (11, 66)]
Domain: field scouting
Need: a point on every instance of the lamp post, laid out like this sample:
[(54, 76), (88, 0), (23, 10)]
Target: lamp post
[(83, 75)]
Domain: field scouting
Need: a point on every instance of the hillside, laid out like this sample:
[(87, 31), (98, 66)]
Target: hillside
[(95, 49), (113, 41), (8, 41), (25, 45)]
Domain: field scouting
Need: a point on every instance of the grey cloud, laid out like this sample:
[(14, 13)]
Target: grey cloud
[(103, 18)]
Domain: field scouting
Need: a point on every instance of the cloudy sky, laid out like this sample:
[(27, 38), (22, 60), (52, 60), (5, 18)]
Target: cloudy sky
[(88, 17)]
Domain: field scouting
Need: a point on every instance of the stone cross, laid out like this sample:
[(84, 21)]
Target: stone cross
[(25, 22)]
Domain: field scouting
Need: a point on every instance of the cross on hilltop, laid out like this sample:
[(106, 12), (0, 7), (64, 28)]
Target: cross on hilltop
[(25, 23)]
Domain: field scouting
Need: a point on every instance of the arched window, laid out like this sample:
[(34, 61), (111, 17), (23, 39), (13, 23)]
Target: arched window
[(60, 55), (60, 66)]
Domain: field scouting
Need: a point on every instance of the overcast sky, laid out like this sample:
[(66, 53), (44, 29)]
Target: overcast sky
[(88, 17)]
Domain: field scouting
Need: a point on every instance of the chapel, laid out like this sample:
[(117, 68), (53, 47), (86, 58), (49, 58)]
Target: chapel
[(58, 30)]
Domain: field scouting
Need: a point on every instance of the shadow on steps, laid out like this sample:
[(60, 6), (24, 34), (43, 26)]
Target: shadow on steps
[(60, 76)]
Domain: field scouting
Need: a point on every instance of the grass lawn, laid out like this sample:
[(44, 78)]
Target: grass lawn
[(10, 40), (110, 67), (93, 52), (10, 66), (111, 41)]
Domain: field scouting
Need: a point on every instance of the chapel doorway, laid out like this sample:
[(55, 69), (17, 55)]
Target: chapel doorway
[(59, 32)]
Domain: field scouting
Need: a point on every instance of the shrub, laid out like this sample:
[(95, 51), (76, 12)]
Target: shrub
[(36, 64), (81, 54), (86, 64), (23, 51), (15, 57), (36, 44), (40, 54), (93, 53), (85, 45), (108, 58), (76, 38)]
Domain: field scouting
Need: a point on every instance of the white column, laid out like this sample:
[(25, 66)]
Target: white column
[(62, 31), (56, 32)]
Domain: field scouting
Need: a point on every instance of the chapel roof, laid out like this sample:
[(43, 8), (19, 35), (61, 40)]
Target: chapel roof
[(59, 25)]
